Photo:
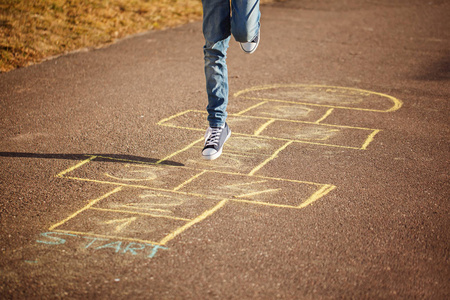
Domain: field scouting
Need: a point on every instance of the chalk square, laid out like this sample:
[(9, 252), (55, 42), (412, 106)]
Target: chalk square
[(287, 111), (119, 225), (156, 203), (131, 173), (241, 154), (255, 189), (328, 135)]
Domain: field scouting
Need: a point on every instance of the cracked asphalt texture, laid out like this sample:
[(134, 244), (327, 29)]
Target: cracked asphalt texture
[(382, 233)]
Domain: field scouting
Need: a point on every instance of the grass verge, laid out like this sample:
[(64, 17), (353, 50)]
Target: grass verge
[(31, 30)]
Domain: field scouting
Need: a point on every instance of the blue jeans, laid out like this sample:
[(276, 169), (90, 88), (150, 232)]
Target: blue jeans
[(219, 22)]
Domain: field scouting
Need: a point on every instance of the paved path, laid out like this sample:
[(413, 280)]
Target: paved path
[(334, 183)]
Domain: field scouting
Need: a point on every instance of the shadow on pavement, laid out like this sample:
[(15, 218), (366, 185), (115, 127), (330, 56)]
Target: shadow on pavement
[(437, 71), (121, 158)]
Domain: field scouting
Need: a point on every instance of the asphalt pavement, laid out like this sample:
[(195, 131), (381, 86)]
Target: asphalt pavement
[(334, 183)]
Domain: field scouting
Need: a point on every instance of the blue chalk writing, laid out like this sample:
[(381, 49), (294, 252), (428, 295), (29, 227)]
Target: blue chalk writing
[(114, 245), (130, 248), (94, 239), (155, 249), (31, 261), (95, 243), (57, 240)]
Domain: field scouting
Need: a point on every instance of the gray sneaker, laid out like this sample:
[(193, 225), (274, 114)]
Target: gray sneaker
[(251, 46), (215, 137)]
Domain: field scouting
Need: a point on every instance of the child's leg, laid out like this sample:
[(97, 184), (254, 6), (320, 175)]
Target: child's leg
[(245, 19), (216, 30)]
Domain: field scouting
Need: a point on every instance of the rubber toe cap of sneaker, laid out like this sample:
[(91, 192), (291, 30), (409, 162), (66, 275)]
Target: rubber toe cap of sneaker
[(248, 47), (209, 152)]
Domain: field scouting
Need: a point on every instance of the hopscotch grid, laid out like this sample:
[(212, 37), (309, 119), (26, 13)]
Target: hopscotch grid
[(180, 229), (323, 190), (191, 222), (184, 227)]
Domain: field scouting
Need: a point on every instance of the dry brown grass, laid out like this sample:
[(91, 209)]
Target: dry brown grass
[(31, 30)]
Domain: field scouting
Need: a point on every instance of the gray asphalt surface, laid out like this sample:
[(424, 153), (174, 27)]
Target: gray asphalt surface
[(334, 184)]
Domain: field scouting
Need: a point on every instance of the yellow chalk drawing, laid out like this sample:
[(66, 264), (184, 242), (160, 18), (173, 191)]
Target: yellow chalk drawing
[(246, 183), (161, 200), (325, 115), (229, 160), (369, 139), (247, 109), (122, 223), (317, 195), (141, 213), (176, 152), (89, 205), (263, 126), (246, 145), (76, 166), (249, 195), (107, 236), (287, 112), (314, 93), (145, 206), (273, 156), (245, 189), (314, 133), (189, 180), (287, 134), (200, 218), (145, 173), (260, 133)]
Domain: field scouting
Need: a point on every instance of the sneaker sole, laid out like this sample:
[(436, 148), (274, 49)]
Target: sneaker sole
[(216, 155)]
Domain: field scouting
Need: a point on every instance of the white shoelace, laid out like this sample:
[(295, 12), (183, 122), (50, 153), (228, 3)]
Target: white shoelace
[(212, 136)]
